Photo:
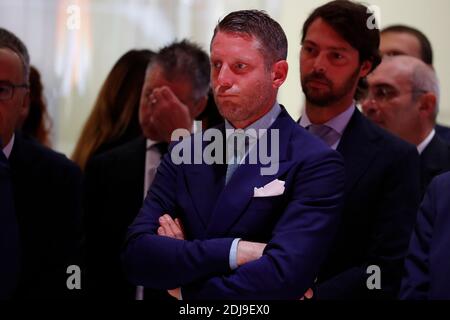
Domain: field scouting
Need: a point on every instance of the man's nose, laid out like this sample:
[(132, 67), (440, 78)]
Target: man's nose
[(320, 63), (369, 106), (224, 78)]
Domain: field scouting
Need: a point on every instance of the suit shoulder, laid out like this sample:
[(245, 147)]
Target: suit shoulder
[(38, 153), (441, 182), (124, 151), (390, 142)]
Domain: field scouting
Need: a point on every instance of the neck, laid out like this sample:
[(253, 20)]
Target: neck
[(323, 114), (421, 136), (247, 122)]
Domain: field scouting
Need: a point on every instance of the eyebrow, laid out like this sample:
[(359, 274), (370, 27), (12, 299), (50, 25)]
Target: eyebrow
[(329, 48)]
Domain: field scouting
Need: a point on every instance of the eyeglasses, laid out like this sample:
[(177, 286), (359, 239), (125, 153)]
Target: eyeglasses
[(7, 89), (384, 93)]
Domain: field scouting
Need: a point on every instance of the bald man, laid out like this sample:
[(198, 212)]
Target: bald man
[(406, 40), (403, 98)]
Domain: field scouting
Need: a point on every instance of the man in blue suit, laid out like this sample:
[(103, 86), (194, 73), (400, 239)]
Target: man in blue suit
[(227, 231), (427, 264)]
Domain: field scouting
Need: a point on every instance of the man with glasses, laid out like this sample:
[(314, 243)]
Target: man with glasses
[(403, 98), (406, 40), (44, 231)]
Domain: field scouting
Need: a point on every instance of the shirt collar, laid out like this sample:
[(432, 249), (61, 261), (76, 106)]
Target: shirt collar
[(8, 148), (151, 143), (338, 123), (422, 146)]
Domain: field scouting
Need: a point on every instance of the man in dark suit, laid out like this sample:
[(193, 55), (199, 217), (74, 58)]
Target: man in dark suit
[(46, 187), (405, 40), (427, 264), (9, 237), (382, 186), (174, 93), (233, 230), (403, 98)]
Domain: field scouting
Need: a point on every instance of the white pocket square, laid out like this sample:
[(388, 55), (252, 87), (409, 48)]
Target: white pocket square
[(274, 188)]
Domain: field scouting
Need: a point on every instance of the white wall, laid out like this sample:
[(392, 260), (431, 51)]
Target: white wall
[(109, 28), (431, 17)]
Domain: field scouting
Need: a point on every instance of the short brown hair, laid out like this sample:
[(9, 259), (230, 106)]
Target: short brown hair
[(349, 20), (258, 24), (426, 51)]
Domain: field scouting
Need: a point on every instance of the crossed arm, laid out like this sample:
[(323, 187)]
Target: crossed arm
[(287, 268), (246, 251)]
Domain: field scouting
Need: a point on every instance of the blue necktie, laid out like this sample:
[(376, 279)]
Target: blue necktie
[(237, 145), (9, 234)]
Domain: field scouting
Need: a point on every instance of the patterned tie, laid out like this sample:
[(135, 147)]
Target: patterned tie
[(237, 147), (324, 132)]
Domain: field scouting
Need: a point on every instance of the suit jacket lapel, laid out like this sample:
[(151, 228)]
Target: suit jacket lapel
[(358, 147), (204, 184), (237, 194)]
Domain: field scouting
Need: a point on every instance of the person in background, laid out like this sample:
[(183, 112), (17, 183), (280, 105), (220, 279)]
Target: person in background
[(114, 117), (427, 264), (382, 178), (46, 186), (405, 40), (9, 235), (173, 94), (37, 122), (210, 117), (403, 98)]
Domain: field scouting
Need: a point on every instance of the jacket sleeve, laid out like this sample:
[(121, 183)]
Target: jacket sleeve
[(299, 244), (416, 281), (163, 263), (396, 206)]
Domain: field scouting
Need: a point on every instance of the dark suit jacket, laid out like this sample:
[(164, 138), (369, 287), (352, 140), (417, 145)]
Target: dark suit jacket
[(443, 132), (298, 224), (427, 265), (114, 187), (434, 160), (9, 242), (47, 197), (381, 201)]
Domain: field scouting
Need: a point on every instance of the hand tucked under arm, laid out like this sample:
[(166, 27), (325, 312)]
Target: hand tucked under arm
[(249, 251), (171, 228)]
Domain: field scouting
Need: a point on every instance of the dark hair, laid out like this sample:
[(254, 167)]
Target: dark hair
[(11, 41), (260, 25), (210, 117), (426, 50), (185, 59), (114, 118), (37, 123), (349, 19)]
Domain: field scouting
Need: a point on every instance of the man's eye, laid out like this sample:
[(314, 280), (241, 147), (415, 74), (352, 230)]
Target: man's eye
[(4, 89), (308, 49), (217, 65), (337, 56), (241, 66)]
